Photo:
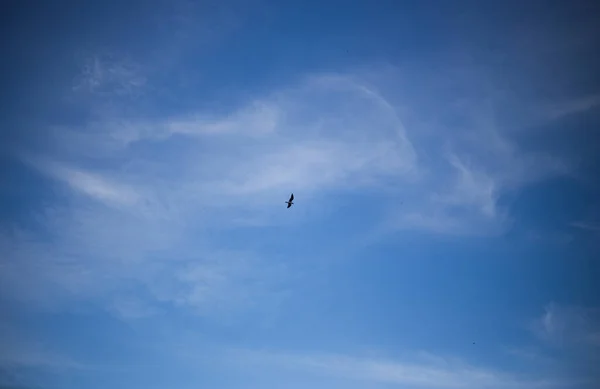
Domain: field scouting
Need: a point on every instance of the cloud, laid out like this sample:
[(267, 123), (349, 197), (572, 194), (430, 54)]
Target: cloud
[(134, 199), (468, 204), (586, 226), (532, 355), (271, 144), (18, 351), (129, 308), (466, 131), (473, 188), (86, 183), (430, 372), (133, 268), (109, 74), (567, 326), (573, 107), (329, 131), (141, 192)]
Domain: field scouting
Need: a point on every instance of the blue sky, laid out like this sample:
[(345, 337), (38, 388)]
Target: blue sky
[(444, 158)]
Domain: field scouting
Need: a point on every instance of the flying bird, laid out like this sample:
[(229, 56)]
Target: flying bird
[(290, 201)]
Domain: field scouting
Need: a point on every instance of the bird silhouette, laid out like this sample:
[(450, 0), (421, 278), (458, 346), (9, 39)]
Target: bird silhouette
[(290, 201)]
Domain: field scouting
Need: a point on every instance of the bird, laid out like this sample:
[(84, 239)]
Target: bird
[(290, 201)]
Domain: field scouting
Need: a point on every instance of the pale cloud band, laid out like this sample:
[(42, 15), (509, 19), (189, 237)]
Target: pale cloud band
[(138, 184), (423, 370), (139, 193)]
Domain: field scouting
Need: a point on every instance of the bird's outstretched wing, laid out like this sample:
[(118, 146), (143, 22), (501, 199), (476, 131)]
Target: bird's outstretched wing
[(292, 197), (289, 205)]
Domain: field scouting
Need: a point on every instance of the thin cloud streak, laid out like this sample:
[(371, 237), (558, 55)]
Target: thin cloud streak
[(568, 326), (436, 373), (573, 107), (109, 75), (89, 184), (327, 135), (18, 351), (586, 226)]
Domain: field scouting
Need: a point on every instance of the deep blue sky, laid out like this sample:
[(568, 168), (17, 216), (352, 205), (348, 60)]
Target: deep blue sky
[(444, 158)]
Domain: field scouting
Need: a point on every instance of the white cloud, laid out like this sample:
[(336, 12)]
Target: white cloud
[(586, 226), (310, 137), (532, 355), (109, 74), (87, 183), (465, 128), (258, 119), (572, 107), (430, 372), (140, 201), (131, 308), (567, 326), (144, 192), (472, 187), (19, 351), (132, 267)]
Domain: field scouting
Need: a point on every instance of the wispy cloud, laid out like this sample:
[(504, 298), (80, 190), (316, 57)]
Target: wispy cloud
[(143, 189), (89, 184), (330, 131), (131, 308), (574, 106), (18, 351), (531, 355), (132, 267), (283, 140), (430, 372), (109, 74), (156, 198), (568, 326), (586, 226), (469, 155)]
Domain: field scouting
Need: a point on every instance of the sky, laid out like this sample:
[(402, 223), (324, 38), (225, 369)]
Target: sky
[(444, 158)]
